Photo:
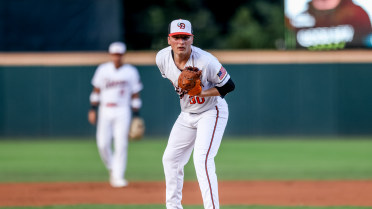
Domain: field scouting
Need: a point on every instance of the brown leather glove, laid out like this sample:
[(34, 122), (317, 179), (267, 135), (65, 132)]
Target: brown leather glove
[(189, 80)]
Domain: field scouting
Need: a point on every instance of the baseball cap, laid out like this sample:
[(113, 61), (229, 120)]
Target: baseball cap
[(180, 26), (117, 48)]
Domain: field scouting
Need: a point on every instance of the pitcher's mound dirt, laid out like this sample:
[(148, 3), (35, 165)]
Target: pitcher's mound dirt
[(281, 193)]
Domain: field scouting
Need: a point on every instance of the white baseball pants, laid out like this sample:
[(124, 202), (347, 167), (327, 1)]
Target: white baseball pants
[(202, 133), (113, 125)]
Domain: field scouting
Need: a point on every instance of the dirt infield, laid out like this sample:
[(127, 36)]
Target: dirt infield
[(280, 193)]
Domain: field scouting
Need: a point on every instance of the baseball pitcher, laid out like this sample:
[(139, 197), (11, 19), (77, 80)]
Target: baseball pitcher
[(201, 83)]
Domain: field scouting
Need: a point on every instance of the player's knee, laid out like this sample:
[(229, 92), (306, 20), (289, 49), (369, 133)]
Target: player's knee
[(103, 146), (199, 158), (167, 159)]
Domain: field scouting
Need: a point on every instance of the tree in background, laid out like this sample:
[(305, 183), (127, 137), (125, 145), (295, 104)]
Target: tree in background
[(236, 25), (256, 26)]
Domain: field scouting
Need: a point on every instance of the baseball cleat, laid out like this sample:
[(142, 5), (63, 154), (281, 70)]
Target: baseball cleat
[(118, 183)]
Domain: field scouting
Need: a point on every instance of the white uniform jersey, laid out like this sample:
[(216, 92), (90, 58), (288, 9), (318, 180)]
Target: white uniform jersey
[(213, 74), (116, 85)]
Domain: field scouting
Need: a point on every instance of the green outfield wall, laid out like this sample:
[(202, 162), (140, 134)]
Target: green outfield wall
[(270, 99)]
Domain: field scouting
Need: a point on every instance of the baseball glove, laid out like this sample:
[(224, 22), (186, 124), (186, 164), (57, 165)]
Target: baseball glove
[(189, 81), (137, 129)]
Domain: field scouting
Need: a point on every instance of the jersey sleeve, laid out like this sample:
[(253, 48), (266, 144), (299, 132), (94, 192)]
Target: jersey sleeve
[(217, 74), (97, 80), (137, 85), (160, 63)]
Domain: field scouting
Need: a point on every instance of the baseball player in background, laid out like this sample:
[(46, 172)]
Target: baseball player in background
[(203, 118), (116, 91)]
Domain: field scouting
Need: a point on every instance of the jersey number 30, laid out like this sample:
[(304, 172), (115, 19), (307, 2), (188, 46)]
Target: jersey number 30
[(198, 100)]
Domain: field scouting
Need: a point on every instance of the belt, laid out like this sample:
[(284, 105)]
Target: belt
[(111, 105)]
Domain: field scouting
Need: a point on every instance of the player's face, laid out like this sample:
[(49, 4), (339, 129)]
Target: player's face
[(116, 58), (325, 4), (181, 44)]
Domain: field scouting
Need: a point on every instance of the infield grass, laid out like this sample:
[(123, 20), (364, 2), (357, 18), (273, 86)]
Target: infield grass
[(77, 159)]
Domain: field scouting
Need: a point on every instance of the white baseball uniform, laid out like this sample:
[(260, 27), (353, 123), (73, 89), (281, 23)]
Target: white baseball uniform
[(200, 126), (116, 89)]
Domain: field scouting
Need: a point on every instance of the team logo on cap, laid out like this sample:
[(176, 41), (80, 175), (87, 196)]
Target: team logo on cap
[(181, 25)]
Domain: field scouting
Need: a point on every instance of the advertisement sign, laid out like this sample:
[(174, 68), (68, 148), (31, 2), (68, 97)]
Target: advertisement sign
[(328, 24)]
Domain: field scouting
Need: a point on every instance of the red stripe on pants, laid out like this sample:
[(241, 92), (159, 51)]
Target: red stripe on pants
[(206, 158)]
